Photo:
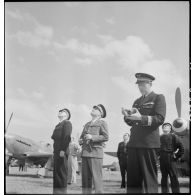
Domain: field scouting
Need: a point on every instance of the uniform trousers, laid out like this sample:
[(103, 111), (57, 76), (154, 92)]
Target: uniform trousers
[(123, 169), (92, 171), (60, 173), (142, 170), (168, 167)]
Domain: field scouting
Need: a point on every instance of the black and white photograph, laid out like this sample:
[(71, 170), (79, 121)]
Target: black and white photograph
[(97, 97)]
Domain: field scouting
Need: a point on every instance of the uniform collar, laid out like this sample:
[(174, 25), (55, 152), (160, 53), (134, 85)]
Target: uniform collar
[(94, 121), (143, 100), (62, 121), (147, 94)]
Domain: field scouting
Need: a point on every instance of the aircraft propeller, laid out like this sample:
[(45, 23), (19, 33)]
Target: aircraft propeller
[(179, 124), (9, 122)]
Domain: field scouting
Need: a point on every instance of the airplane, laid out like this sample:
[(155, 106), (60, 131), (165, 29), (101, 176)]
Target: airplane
[(19, 147), (180, 128)]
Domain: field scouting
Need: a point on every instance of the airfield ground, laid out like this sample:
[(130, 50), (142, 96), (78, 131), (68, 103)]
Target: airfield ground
[(29, 183)]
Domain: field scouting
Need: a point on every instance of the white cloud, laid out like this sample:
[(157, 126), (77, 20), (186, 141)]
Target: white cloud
[(31, 39), (34, 95), (26, 111), (14, 14), (37, 95), (132, 54), (44, 31), (128, 52), (22, 92), (105, 38), (123, 83), (83, 61), (36, 36), (79, 29), (24, 17), (110, 21), (94, 25)]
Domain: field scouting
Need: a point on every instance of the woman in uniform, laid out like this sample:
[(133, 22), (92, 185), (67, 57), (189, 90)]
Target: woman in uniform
[(62, 137)]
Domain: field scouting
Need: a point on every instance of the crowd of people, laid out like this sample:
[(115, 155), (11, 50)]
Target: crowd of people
[(137, 154)]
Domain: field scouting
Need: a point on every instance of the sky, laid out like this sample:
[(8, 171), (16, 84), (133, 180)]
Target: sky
[(79, 54)]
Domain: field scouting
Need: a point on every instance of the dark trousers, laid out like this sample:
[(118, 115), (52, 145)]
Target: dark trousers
[(168, 168), (21, 167), (142, 171), (92, 171), (60, 173), (123, 169)]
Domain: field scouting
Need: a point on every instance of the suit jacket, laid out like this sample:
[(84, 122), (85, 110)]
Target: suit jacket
[(99, 132), (122, 151), (145, 133), (171, 143), (62, 137)]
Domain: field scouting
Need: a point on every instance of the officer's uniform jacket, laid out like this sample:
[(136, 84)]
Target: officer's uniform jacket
[(145, 133), (99, 132)]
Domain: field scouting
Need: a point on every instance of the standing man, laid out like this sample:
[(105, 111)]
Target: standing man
[(147, 114), (61, 137), (21, 164), (171, 150), (122, 157), (94, 134)]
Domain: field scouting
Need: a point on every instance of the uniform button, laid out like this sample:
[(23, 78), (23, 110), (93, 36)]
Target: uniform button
[(136, 123)]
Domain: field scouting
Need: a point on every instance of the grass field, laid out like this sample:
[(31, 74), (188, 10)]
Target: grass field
[(29, 183)]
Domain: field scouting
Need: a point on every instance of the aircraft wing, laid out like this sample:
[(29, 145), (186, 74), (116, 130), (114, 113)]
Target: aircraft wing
[(38, 154), (38, 158), (114, 154)]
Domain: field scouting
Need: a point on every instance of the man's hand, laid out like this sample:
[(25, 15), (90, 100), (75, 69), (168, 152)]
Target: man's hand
[(62, 153), (88, 137), (136, 116)]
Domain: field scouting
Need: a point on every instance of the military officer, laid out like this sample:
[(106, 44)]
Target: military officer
[(147, 114), (92, 139), (62, 137), (122, 157)]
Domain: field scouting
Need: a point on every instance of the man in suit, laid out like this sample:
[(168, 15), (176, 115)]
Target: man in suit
[(147, 114), (122, 157), (92, 139), (61, 137)]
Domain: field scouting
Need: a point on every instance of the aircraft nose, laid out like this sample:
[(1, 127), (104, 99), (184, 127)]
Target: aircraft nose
[(9, 137), (179, 125)]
